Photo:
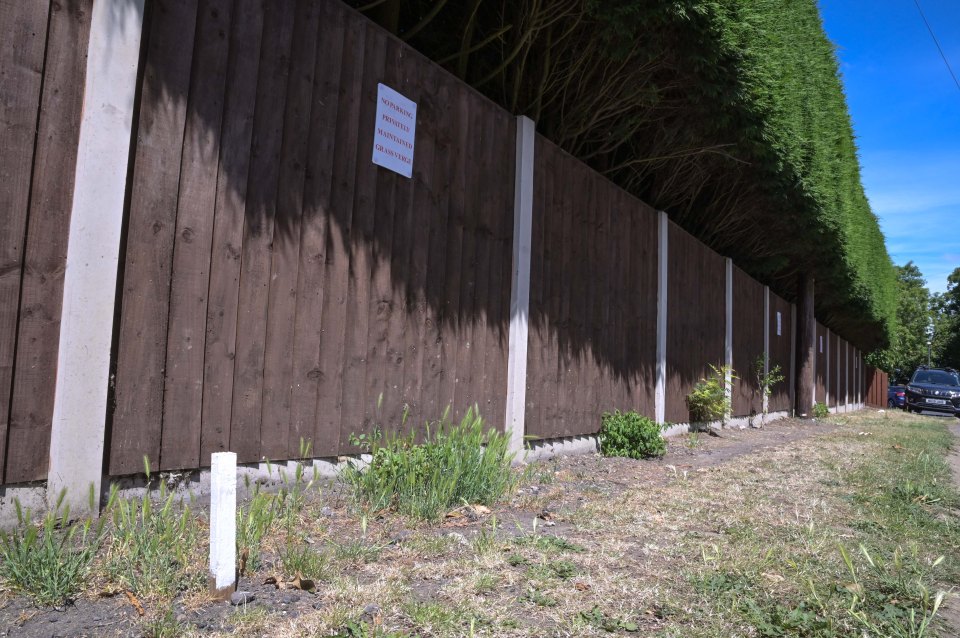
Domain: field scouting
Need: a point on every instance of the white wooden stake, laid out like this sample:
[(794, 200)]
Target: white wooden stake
[(223, 524)]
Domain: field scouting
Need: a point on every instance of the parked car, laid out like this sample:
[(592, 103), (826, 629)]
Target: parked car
[(935, 389), (896, 396)]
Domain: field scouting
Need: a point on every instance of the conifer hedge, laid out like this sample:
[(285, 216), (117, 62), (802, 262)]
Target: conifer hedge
[(728, 114)]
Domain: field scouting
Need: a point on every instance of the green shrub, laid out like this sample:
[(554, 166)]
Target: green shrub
[(49, 562), (631, 435), (455, 464), (820, 410), (710, 400)]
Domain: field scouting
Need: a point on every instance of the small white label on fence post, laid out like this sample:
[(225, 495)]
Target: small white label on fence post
[(395, 131), (778, 324), (223, 524)]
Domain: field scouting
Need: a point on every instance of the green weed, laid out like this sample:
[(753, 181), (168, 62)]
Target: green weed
[(596, 618), (303, 560), (50, 562), (253, 523), (163, 624), (154, 547), (455, 464), (709, 400)]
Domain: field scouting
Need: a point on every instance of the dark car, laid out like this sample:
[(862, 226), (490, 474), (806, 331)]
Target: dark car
[(896, 396), (935, 389)]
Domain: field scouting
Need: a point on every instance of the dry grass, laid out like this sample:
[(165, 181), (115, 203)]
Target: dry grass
[(750, 547)]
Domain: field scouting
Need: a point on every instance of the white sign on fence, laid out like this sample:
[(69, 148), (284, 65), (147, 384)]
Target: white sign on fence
[(395, 131), (778, 323)]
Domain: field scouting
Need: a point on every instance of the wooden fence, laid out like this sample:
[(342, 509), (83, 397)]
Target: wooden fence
[(42, 69), (593, 298), (276, 287), (877, 382)]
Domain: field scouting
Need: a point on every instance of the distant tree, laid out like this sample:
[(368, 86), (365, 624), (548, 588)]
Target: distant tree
[(914, 314), (947, 328)]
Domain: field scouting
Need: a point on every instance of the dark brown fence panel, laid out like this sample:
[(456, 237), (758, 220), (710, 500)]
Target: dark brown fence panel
[(696, 307), (42, 72), (820, 354), (278, 285), (593, 299), (781, 338), (876, 383), (748, 322)]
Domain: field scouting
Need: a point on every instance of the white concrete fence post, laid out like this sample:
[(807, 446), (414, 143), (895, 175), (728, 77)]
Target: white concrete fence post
[(826, 372), (93, 252), (660, 387), (846, 376), (223, 524), (793, 359), (837, 372), (728, 337), (520, 285), (766, 346)]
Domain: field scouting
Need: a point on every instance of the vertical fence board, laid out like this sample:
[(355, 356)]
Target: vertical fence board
[(450, 328), (357, 404), (417, 230), (230, 211), (312, 286), (481, 392), (141, 357), (258, 238), (190, 281), (567, 286), (45, 248), (23, 26), (440, 219), (279, 345), (339, 239)]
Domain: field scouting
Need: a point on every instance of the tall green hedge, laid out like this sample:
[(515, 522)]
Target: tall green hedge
[(728, 114)]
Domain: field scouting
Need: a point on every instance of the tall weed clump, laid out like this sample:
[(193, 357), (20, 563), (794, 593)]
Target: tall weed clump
[(455, 463), (154, 546), (49, 562)]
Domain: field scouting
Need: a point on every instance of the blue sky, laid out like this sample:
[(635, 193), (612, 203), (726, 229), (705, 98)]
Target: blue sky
[(906, 114)]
